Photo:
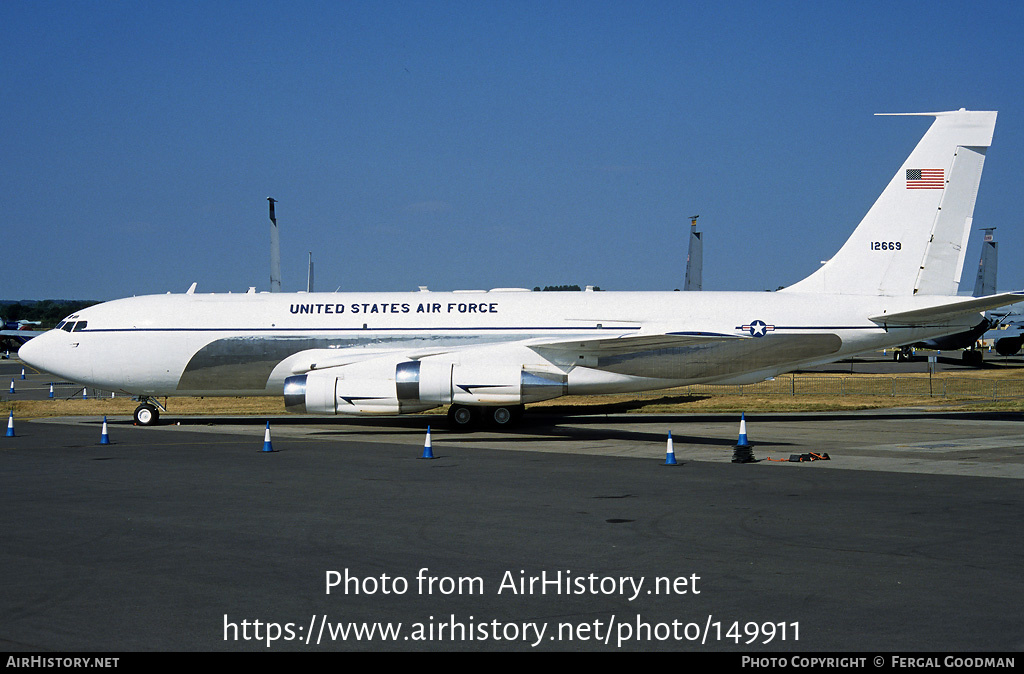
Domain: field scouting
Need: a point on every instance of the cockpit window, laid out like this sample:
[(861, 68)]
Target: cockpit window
[(80, 325), (68, 326), (60, 325)]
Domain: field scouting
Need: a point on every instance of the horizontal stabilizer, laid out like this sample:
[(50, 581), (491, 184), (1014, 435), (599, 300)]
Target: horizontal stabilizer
[(945, 312)]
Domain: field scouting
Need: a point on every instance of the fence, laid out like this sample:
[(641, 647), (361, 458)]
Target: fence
[(67, 389), (791, 385), (873, 385)]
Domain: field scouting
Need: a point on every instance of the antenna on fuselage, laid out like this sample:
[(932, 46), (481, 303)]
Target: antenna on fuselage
[(275, 250), (309, 276)]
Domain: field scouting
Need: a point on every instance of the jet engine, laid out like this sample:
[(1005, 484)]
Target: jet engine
[(1007, 346), (387, 386)]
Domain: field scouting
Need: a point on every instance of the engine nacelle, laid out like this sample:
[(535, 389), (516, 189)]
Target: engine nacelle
[(1007, 346), (384, 386), (365, 388), (479, 383)]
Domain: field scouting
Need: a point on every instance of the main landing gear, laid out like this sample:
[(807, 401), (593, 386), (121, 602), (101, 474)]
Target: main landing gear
[(148, 412), (465, 417), (905, 353), (972, 357)]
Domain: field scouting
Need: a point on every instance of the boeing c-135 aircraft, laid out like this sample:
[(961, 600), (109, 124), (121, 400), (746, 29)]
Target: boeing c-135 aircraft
[(487, 354)]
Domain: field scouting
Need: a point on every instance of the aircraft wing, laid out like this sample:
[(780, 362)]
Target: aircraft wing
[(945, 312), (323, 359), (687, 355), (634, 342), (608, 346), (20, 336)]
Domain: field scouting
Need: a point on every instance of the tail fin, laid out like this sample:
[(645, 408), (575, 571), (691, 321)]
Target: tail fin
[(985, 282), (913, 239)]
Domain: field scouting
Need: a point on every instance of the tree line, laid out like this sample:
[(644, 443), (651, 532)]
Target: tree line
[(47, 312)]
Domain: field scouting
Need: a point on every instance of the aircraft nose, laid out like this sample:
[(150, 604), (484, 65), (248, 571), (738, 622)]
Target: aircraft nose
[(29, 352), (39, 352)]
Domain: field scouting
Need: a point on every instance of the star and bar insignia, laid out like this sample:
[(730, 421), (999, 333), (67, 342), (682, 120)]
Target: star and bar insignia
[(757, 328)]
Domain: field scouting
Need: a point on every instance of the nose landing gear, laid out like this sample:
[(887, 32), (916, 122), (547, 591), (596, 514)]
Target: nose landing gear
[(148, 412)]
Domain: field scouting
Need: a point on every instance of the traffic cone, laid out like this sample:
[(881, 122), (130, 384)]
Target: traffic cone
[(267, 447), (742, 442), (670, 454), (104, 437), (12, 386), (51, 389), (427, 451), (22, 373), (741, 450), (10, 425)]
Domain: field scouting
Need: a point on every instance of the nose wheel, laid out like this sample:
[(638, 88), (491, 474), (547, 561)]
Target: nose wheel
[(147, 414)]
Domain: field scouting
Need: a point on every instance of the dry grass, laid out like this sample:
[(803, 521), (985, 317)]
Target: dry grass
[(860, 391), (674, 400), (34, 409), (771, 403)]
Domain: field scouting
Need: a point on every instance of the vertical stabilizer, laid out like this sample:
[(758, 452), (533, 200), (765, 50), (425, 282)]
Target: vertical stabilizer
[(694, 259), (914, 238), (985, 282)]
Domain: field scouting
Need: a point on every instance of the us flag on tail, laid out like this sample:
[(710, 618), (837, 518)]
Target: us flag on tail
[(926, 179)]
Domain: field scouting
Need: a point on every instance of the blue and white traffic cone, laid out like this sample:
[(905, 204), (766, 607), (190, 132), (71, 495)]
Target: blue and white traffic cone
[(22, 373), (267, 447), (51, 389), (104, 437), (428, 453), (742, 442), (742, 452), (85, 393), (12, 386), (10, 425), (670, 453)]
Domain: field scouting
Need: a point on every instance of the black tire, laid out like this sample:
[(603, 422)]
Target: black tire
[(972, 357), (147, 415), (461, 417), (504, 416)]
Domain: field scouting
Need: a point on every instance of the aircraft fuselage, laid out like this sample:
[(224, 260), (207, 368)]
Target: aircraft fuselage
[(239, 344)]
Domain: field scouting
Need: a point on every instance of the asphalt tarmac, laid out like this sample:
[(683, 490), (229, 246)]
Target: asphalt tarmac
[(567, 534)]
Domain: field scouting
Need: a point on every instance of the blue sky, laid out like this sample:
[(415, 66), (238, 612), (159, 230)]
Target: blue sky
[(477, 144)]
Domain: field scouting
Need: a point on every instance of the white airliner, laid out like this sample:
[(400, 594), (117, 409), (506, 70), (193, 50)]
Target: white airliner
[(487, 353)]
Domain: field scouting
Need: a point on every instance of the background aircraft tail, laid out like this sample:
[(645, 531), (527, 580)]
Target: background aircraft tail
[(985, 281), (914, 238)]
